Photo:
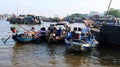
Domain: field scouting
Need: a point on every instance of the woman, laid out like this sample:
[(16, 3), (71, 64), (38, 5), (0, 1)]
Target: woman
[(42, 33)]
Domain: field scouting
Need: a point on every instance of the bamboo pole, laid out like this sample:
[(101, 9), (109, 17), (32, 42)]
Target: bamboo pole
[(108, 9)]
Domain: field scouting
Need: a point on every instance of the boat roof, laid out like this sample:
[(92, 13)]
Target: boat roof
[(55, 24)]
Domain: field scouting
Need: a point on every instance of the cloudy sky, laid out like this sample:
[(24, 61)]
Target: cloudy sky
[(55, 7)]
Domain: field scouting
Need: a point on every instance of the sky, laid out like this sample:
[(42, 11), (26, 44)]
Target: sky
[(52, 8)]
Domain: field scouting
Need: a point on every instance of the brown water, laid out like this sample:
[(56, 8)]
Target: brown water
[(55, 55)]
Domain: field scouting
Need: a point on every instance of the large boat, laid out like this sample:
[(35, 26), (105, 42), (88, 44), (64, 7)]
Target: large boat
[(24, 19), (110, 33)]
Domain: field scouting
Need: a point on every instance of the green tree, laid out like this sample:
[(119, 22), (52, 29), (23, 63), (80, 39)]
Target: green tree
[(114, 12)]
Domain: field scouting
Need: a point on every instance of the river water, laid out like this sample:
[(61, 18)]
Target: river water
[(55, 55)]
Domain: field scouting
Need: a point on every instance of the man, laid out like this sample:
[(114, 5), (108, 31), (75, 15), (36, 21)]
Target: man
[(59, 31), (86, 30), (86, 33), (71, 35), (32, 30)]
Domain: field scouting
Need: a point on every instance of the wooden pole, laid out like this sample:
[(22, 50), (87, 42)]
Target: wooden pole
[(108, 10)]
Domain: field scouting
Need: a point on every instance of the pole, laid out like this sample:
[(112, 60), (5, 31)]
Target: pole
[(109, 5), (108, 10)]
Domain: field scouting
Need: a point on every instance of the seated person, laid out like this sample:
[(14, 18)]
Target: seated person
[(86, 30), (69, 36), (89, 36), (58, 32), (63, 32), (83, 37), (32, 31), (73, 33), (42, 31)]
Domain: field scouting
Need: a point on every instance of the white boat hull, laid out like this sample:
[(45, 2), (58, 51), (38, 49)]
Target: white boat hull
[(78, 45)]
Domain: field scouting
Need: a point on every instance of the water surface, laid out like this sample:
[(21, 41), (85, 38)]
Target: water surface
[(53, 55)]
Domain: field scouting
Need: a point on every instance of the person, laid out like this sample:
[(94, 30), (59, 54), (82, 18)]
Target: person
[(48, 31), (86, 30), (59, 31), (86, 33), (73, 33), (42, 31), (51, 27), (83, 37), (79, 29), (53, 32), (78, 33), (69, 35), (63, 32), (33, 32)]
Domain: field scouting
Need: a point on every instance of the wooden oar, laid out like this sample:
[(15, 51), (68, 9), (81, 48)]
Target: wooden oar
[(28, 31), (8, 38), (24, 28), (49, 39), (50, 36)]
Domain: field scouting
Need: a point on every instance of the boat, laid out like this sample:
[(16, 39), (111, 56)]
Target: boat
[(80, 45), (24, 19), (25, 38), (53, 37), (28, 36), (109, 33), (22, 38)]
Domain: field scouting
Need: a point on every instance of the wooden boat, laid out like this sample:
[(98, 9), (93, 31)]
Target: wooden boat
[(29, 19), (53, 38), (110, 33), (22, 38), (79, 45), (56, 39), (25, 38)]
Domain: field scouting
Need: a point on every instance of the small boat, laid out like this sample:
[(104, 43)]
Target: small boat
[(53, 37), (23, 38), (27, 36), (79, 45)]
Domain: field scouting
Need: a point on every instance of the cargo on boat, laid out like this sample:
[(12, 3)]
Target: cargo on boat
[(24, 19)]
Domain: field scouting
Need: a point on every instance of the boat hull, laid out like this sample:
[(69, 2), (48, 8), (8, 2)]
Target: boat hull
[(110, 34), (56, 39), (78, 45), (27, 39)]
